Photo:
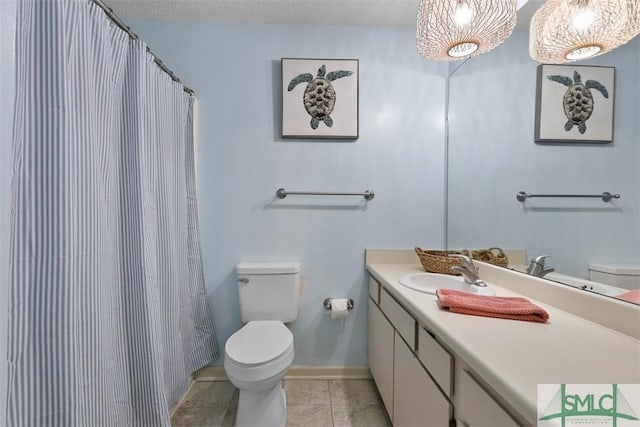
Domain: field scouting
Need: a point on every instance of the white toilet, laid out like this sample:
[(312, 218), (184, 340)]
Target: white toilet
[(258, 355), (626, 276)]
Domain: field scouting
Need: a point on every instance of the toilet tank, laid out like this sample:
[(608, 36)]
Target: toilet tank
[(625, 276), (269, 290)]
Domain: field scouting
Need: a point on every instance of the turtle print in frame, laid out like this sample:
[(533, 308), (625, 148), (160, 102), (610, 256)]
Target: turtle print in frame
[(574, 103), (320, 98), (577, 102)]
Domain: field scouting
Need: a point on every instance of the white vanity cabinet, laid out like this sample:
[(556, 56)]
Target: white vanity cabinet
[(420, 381), (408, 391)]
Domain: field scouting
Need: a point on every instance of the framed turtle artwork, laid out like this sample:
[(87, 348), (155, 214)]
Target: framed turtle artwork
[(574, 104), (320, 98)]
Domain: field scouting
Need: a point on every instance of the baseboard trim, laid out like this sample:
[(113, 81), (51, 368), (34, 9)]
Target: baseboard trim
[(182, 399), (296, 372), (311, 372)]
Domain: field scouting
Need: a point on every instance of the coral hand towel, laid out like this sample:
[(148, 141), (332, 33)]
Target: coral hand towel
[(631, 296), (514, 308)]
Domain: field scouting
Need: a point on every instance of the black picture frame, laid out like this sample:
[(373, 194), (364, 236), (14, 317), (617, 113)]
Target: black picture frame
[(335, 82), (563, 95)]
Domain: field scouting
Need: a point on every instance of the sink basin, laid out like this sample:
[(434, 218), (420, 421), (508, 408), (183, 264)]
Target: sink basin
[(429, 282)]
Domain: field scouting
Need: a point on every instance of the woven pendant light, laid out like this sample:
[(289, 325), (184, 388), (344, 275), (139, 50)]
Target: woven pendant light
[(570, 30), (450, 30), (632, 28)]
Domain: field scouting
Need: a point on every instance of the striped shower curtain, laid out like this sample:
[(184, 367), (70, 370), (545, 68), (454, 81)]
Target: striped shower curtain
[(107, 311)]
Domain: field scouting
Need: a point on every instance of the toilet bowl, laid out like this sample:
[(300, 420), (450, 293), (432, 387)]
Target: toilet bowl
[(257, 356), (256, 360)]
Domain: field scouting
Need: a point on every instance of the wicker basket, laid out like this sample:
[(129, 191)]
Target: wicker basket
[(495, 256), (439, 261)]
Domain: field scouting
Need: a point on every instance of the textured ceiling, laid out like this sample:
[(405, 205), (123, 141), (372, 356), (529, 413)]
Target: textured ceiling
[(396, 13)]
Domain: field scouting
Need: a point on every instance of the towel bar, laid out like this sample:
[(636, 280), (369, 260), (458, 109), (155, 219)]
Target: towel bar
[(606, 196), (282, 193)]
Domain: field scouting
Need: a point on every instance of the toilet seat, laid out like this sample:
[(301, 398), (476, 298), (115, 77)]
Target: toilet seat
[(259, 342), (260, 350)]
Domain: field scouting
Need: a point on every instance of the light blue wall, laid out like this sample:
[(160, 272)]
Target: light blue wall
[(7, 87), (235, 70), (242, 161), (493, 156)]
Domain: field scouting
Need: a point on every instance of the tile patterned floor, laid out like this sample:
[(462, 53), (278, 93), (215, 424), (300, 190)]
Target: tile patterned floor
[(314, 403)]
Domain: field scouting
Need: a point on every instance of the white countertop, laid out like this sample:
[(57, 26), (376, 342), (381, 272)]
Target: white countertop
[(511, 356)]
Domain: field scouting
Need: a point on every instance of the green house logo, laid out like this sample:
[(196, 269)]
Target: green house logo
[(582, 406)]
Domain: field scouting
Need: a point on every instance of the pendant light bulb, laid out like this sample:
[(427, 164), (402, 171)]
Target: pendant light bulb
[(583, 19), (463, 14)]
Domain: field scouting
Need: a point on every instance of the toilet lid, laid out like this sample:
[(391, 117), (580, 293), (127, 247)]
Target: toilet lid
[(259, 342)]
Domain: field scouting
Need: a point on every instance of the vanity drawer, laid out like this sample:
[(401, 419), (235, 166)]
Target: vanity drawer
[(374, 290), (436, 359), (402, 321)]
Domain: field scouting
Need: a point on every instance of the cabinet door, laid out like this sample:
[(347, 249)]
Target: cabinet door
[(381, 336), (477, 408), (417, 401)]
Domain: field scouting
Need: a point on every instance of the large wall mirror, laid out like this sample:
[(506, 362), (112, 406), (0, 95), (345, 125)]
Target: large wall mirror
[(493, 156)]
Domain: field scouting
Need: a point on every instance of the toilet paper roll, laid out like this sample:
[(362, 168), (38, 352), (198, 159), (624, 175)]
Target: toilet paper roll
[(339, 308)]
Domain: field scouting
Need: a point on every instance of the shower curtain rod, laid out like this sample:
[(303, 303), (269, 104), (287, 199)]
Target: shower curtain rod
[(111, 15)]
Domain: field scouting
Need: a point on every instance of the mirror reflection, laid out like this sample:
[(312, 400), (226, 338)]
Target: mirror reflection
[(492, 157)]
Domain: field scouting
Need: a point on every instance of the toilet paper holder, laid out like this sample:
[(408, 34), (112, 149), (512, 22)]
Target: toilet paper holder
[(327, 303)]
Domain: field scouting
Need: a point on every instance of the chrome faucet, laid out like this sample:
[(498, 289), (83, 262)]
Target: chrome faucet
[(468, 270), (537, 268)]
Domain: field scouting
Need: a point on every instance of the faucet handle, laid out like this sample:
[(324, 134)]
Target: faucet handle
[(465, 261), (540, 259)]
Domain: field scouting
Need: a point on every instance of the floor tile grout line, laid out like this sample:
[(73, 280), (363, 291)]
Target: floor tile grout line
[(333, 421)]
